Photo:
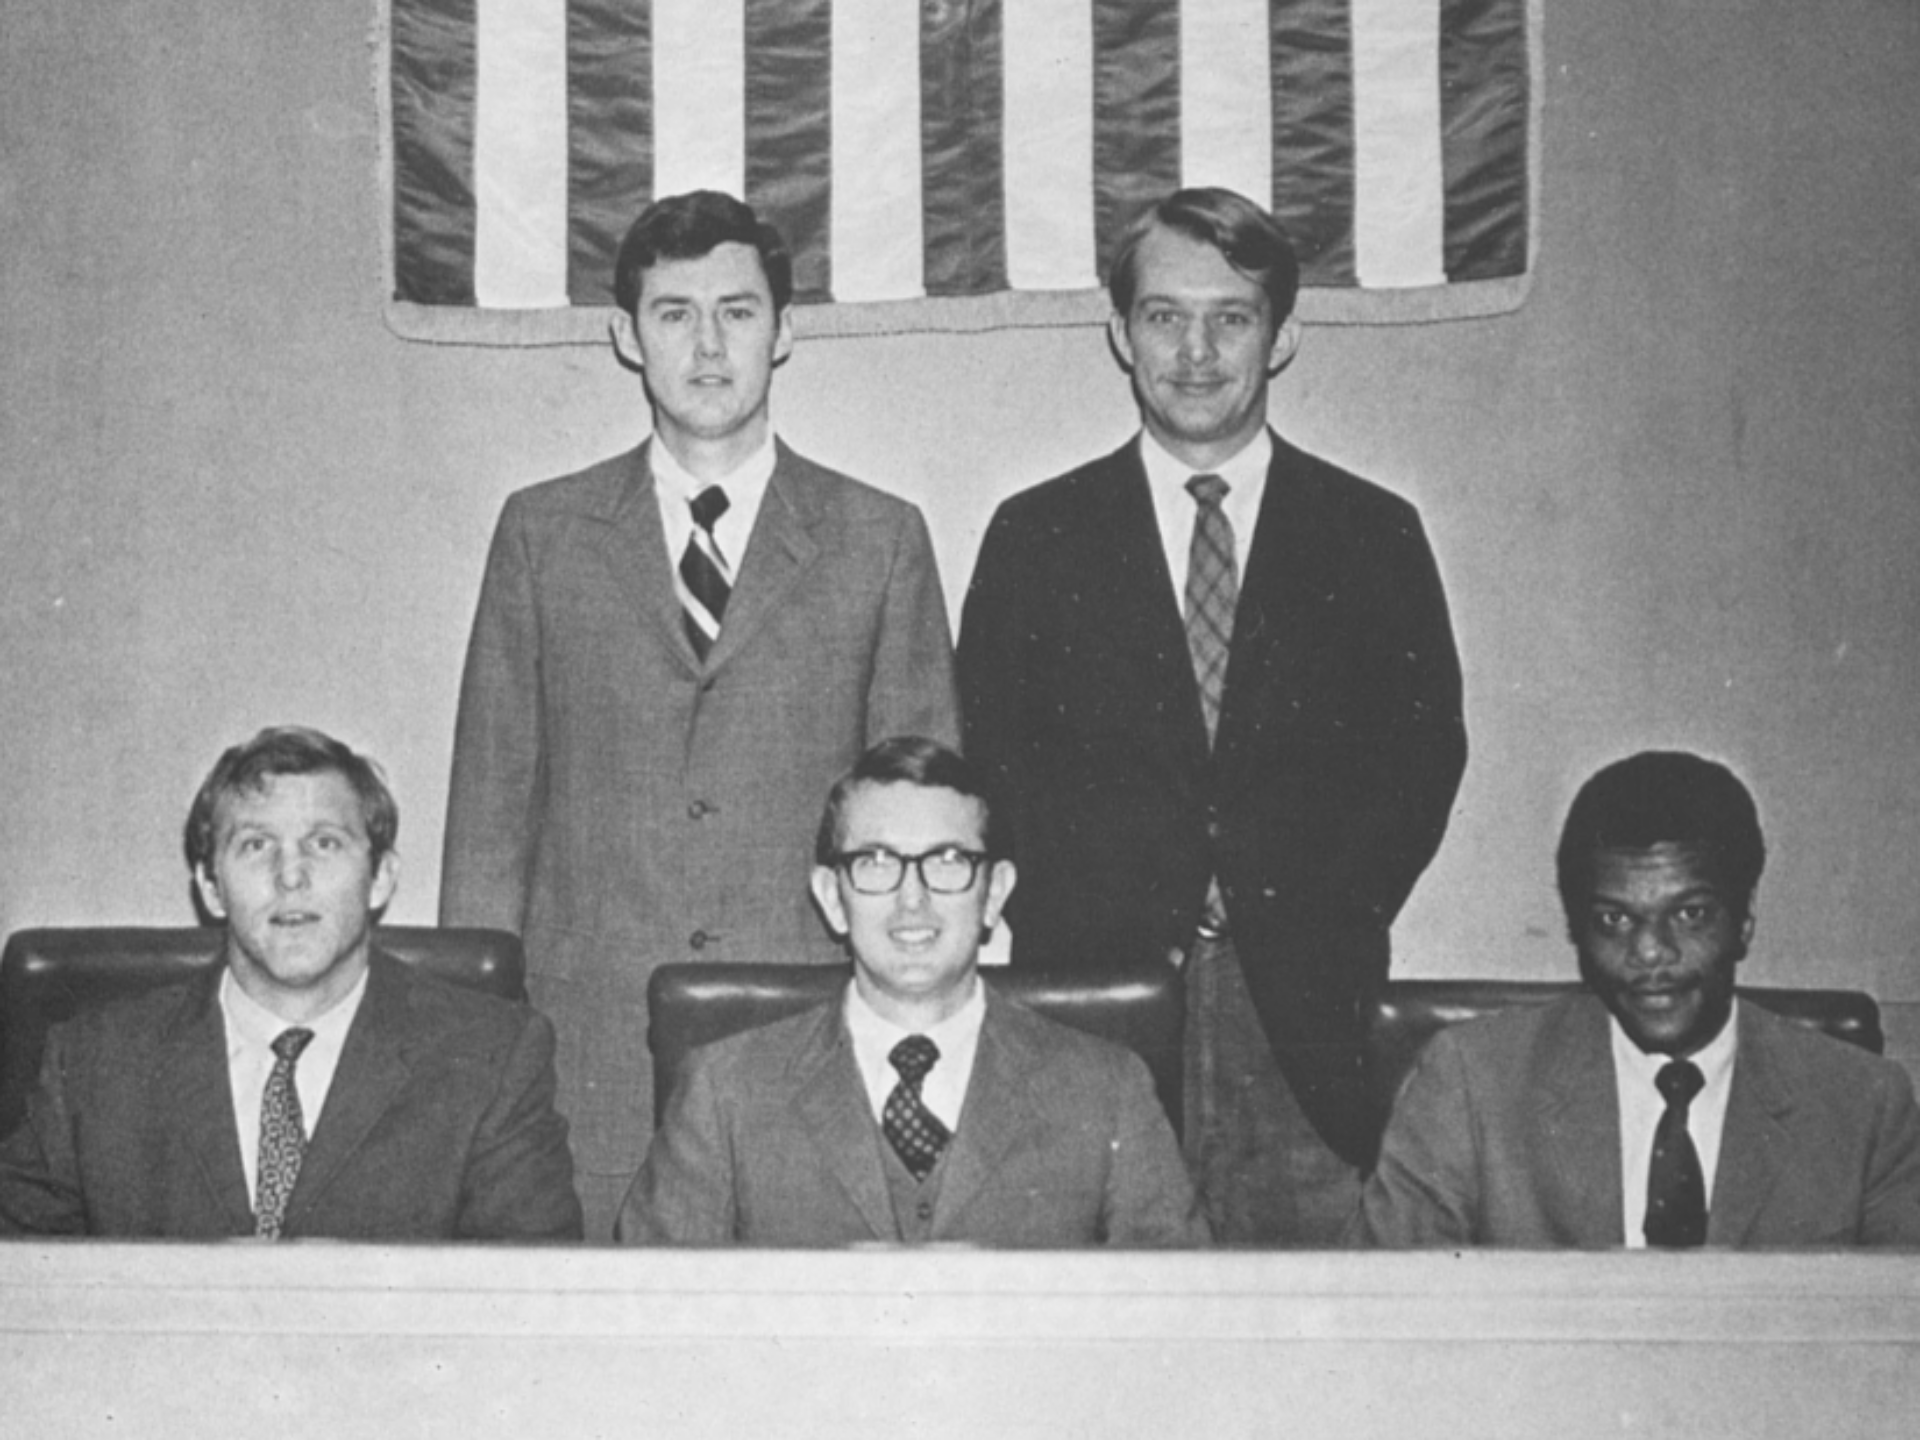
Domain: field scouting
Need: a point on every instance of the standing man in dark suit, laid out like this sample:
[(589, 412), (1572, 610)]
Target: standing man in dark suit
[(675, 653), (920, 1105), (1213, 681), (1654, 1108), (309, 1085)]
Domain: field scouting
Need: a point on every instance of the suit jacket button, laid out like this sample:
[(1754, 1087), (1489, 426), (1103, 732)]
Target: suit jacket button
[(698, 810), (925, 1211), (698, 940)]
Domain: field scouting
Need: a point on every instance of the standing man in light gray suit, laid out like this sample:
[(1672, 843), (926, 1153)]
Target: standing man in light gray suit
[(676, 651)]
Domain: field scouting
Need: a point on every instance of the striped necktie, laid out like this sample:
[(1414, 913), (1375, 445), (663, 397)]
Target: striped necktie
[(704, 581)]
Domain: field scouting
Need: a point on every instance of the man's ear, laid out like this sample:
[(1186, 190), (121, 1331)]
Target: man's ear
[(626, 340), (783, 336), (386, 879), (1286, 344), (1117, 337), (209, 889), (826, 894), (1000, 881)]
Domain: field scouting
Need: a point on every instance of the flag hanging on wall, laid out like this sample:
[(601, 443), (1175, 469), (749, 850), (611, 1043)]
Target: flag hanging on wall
[(952, 163)]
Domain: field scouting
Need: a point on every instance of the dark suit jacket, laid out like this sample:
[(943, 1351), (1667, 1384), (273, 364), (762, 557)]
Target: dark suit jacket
[(1508, 1133), (1339, 751), (439, 1124), (619, 804), (770, 1140)]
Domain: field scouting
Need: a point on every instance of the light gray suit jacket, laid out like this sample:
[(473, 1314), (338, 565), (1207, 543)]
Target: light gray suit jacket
[(1508, 1133), (620, 804), (770, 1140)]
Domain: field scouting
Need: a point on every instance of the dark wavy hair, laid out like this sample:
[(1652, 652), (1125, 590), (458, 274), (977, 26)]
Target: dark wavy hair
[(903, 760), (685, 227), (289, 750), (1250, 239), (1663, 797)]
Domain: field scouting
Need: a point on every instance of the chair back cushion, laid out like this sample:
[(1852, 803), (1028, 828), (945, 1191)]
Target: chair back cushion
[(1412, 1011), (48, 975), (694, 1005)]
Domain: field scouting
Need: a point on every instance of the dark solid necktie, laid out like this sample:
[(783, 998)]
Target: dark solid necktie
[(915, 1132), (704, 582), (283, 1135), (1213, 590), (1676, 1190)]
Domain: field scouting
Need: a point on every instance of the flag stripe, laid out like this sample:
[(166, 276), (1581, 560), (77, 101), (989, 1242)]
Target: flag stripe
[(699, 97), (1048, 144), (1136, 112), (430, 95), (874, 217), (610, 137), (1398, 207), (1483, 89), (962, 126), (1312, 135), (789, 140), (520, 154), (1226, 98)]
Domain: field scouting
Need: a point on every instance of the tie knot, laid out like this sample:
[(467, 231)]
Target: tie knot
[(1209, 490), (1679, 1081), (708, 506), (913, 1057), (289, 1043)]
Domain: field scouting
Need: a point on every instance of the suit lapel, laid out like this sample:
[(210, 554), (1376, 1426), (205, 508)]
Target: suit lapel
[(1141, 603), (1753, 1139), (1285, 570), (197, 1098), (373, 1070), (831, 1099), (1577, 1117), (779, 551), (634, 547), (994, 1118)]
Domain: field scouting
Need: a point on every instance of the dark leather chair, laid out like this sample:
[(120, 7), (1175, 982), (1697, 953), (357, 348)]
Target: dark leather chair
[(694, 1005), (48, 975), (1413, 1011)]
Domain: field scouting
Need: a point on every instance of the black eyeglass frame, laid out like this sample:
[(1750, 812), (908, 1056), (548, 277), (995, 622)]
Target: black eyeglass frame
[(844, 860)]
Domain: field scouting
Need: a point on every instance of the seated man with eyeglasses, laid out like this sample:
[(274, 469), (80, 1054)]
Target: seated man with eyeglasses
[(920, 1106)]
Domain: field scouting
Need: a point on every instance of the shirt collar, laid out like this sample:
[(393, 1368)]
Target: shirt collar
[(251, 1023), (1245, 472), (957, 1037), (1714, 1060), (747, 480)]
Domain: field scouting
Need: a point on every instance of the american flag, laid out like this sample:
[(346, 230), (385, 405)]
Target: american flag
[(933, 152)]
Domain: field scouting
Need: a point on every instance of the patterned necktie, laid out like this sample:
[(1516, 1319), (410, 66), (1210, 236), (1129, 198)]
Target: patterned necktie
[(1676, 1191), (703, 579), (915, 1132), (1213, 589), (283, 1136)]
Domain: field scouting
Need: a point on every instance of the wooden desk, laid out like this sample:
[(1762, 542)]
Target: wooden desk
[(346, 1341)]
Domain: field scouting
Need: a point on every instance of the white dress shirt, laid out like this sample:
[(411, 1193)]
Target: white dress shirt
[(675, 487), (957, 1038), (251, 1030), (1642, 1105), (1174, 506)]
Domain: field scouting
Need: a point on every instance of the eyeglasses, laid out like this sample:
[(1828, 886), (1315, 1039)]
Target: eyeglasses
[(949, 870)]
